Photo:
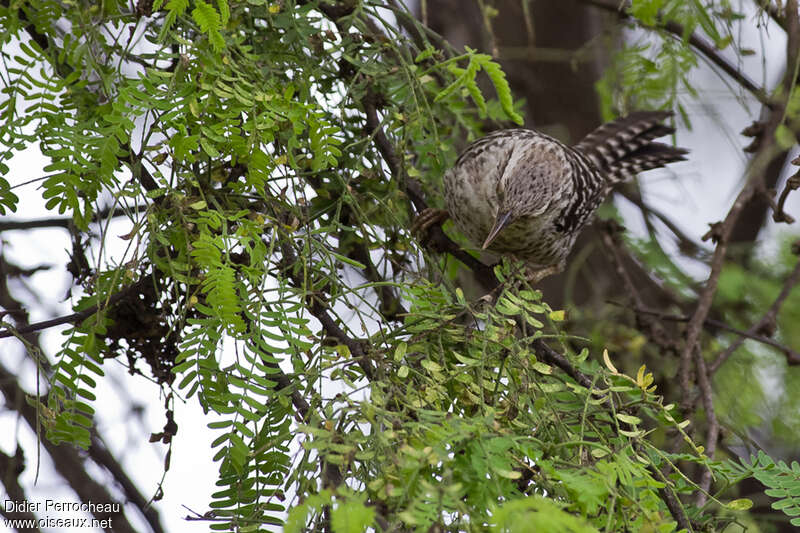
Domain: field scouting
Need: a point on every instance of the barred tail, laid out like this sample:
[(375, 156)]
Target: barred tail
[(624, 147)]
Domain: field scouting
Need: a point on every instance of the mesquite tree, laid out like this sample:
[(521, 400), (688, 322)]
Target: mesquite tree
[(270, 158)]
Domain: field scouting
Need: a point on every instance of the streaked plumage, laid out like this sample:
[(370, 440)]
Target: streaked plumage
[(539, 192)]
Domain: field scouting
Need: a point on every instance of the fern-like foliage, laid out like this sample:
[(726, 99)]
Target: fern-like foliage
[(465, 79), (782, 481)]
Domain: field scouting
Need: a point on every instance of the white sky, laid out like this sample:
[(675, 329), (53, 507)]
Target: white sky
[(701, 190)]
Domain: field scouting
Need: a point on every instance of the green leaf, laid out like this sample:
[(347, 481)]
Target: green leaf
[(543, 368), (400, 351), (352, 516), (209, 22), (224, 10), (500, 83), (209, 148), (629, 419), (646, 10), (343, 350), (345, 259), (447, 91), (430, 366), (785, 137), (701, 11)]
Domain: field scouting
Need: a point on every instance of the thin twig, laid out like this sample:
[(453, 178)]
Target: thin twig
[(721, 234), (712, 431), (552, 357), (655, 329), (772, 10), (543, 54), (80, 315), (673, 503), (391, 306), (792, 357), (768, 320), (487, 23), (332, 10), (529, 26), (685, 242), (286, 384), (612, 247), (420, 34), (319, 309), (65, 222), (101, 455), (792, 184)]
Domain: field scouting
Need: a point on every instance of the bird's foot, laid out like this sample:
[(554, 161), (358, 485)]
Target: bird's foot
[(536, 275), (426, 220)]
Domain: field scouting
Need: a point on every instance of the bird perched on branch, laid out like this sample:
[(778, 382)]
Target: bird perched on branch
[(523, 193)]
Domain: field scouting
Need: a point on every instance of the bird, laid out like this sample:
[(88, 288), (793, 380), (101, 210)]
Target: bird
[(522, 193)]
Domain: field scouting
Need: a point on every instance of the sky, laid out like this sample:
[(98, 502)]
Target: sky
[(699, 191)]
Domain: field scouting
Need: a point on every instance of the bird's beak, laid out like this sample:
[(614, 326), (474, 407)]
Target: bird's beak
[(503, 219)]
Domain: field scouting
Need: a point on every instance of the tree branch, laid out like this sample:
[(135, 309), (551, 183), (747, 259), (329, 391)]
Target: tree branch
[(67, 461), (552, 357), (319, 309), (80, 315), (12, 467), (792, 184), (101, 455), (698, 43), (673, 503), (655, 329), (793, 357), (685, 243), (721, 233), (66, 222), (767, 322)]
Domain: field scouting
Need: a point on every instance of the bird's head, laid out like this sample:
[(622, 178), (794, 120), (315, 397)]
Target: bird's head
[(524, 191), (509, 207)]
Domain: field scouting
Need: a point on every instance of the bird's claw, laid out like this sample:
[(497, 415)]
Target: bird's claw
[(427, 219), (535, 276)]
